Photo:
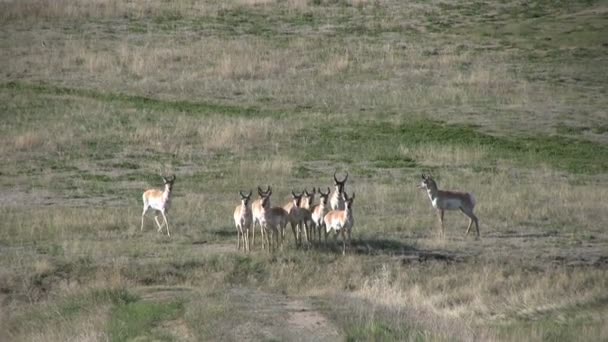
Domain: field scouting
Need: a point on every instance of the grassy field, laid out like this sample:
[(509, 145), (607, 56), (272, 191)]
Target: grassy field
[(505, 99)]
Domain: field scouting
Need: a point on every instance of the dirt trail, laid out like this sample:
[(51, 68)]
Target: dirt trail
[(279, 317)]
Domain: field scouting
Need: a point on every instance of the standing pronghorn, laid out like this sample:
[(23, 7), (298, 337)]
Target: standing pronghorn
[(242, 221), (319, 211), (306, 211), (336, 200), (450, 200), (257, 214), (160, 201), (273, 222), (296, 217), (341, 221)]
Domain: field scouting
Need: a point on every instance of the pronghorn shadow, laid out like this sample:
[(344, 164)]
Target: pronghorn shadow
[(513, 234), (223, 232), (380, 246), (407, 253)]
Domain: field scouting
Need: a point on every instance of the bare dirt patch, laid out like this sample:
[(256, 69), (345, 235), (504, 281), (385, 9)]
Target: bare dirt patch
[(271, 316)]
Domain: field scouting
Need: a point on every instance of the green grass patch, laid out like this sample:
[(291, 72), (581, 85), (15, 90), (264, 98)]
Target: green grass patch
[(378, 142), (140, 102), (135, 320)]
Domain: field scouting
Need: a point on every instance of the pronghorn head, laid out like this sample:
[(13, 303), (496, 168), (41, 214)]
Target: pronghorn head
[(245, 198), (348, 201), (427, 183), (263, 193), (308, 197), (340, 184), (266, 200), (324, 196), (296, 198), (169, 182)]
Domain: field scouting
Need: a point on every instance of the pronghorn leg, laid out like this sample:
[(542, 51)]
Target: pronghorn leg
[(343, 241), (160, 226), (441, 212), (238, 238), (247, 247), (349, 240), (295, 233), (305, 230), (472, 219), (253, 232), (142, 218), (320, 229), (166, 223), (243, 240)]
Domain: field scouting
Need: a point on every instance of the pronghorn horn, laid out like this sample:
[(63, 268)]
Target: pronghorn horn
[(345, 178), (241, 193), (335, 178), (249, 194)]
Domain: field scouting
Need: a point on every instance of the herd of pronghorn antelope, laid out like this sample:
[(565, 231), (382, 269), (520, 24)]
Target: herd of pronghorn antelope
[(308, 221)]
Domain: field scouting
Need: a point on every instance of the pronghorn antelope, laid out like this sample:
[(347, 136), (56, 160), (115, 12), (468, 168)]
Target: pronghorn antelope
[(296, 217), (258, 215), (336, 201), (159, 201), (242, 221), (318, 212), (341, 221), (306, 203), (450, 200), (273, 222)]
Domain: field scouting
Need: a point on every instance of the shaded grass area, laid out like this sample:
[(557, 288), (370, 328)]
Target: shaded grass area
[(138, 102)]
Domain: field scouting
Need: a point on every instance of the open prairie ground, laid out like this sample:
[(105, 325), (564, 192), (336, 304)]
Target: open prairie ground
[(505, 99)]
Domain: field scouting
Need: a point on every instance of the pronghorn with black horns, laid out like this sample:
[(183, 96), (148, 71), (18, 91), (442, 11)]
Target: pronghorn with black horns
[(341, 221), (450, 200), (336, 201), (242, 221), (159, 200), (257, 214)]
